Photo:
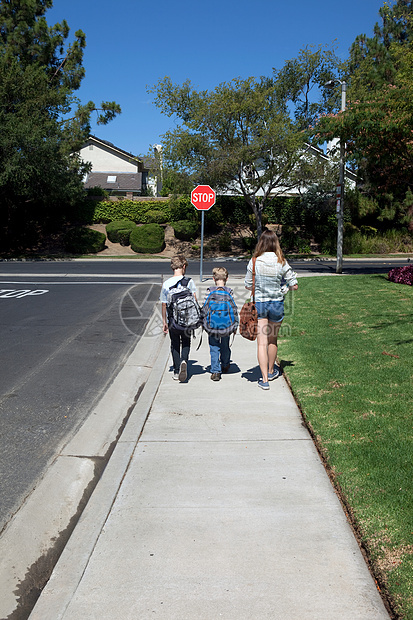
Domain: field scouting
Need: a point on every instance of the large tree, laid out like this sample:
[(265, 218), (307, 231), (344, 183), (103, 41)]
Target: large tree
[(378, 123), (299, 83), (42, 122), (238, 138)]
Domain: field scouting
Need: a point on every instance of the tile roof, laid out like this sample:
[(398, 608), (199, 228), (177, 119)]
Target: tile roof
[(123, 181)]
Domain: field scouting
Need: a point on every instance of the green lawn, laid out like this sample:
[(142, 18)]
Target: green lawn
[(349, 360)]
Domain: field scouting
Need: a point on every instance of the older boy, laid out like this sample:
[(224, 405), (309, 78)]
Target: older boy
[(180, 340)]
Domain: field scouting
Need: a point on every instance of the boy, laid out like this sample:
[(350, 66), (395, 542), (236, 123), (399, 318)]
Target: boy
[(219, 345), (180, 340)]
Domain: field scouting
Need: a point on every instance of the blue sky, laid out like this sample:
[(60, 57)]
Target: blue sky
[(132, 44)]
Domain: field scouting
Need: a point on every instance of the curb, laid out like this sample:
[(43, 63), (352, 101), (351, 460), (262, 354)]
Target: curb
[(37, 534), (74, 559)]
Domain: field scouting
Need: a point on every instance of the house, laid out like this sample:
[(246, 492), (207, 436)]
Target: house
[(310, 155), (115, 170)]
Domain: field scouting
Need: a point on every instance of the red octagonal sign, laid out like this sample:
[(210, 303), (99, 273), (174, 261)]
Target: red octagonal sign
[(203, 197)]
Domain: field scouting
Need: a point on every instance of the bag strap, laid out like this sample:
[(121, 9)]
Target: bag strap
[(253, 279)]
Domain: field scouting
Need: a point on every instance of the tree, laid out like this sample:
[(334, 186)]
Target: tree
[(42, 122), (238, 138), (300, 83), (378, 123)]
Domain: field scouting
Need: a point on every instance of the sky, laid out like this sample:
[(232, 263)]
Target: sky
[(131, 44)]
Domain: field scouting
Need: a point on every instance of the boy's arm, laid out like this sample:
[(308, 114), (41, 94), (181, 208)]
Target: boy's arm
[(164, 319)]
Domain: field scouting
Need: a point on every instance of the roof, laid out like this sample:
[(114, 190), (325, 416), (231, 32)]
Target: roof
[(119, 181), (112, 147)]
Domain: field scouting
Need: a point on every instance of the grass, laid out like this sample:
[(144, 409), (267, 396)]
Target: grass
[(349, 362)]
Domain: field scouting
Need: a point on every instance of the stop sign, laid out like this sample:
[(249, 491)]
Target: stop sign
[(203, 197)]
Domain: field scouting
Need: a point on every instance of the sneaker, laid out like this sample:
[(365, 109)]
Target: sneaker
[(175, 376), (274, 375), (264, 385), (182, 372), (216, 376)]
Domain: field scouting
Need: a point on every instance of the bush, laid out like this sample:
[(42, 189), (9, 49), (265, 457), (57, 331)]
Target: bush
[(402, 275), (185, 230), (148, 239), (84, 241), (249, 243), (134, 210), (390, 241), (224, 242), (181, 209), (156, 216), (119, 231), (97, 191)]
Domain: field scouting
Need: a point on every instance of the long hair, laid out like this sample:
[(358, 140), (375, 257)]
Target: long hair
[(268, 242)]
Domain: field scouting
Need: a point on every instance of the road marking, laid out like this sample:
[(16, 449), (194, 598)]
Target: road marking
[(19, 293)]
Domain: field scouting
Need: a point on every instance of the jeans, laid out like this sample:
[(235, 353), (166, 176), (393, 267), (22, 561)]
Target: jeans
[(220, 352), (180, 345), (271, 310)]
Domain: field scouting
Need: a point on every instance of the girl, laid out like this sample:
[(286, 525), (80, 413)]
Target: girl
[(270, 268)]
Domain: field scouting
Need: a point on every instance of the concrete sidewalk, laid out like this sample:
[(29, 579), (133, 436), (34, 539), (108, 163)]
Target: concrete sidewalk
[(214, 504)]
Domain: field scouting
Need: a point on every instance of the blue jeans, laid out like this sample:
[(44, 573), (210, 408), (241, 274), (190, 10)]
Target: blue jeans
[(220, 352), (271, 310)]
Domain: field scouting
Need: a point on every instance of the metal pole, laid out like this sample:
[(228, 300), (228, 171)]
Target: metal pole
[(202, 244), (340, 206)]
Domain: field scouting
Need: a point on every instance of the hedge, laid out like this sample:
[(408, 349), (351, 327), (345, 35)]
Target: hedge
[(84, 241), (119, 231), (148, 239), (185, 230), (133, 210)]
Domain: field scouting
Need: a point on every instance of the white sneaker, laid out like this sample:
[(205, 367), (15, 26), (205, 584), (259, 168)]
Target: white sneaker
[(182, 372), (175, 376)]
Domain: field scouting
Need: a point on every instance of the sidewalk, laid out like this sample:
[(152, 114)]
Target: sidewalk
[(219, 508)]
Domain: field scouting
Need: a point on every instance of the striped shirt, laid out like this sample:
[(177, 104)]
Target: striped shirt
[(269, 274)]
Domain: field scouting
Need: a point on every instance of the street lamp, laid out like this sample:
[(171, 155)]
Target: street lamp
[(340, 187)]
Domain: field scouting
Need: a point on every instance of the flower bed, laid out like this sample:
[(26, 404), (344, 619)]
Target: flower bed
[(402, 275)]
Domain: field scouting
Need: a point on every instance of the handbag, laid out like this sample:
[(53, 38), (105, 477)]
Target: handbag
[(248, 317)]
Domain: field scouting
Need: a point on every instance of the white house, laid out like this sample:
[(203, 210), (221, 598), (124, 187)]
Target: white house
[(115, 170)]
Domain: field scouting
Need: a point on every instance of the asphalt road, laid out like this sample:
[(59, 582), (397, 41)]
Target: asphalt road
[(66, 328), (62, 342)]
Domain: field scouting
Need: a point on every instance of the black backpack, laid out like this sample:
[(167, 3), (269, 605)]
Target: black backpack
[(184, 313)]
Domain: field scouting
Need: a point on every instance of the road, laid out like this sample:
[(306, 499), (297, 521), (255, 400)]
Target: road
[(62, 342), (67, 327)]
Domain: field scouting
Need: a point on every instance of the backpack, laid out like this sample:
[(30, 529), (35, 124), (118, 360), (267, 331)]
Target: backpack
[(183, 309), (220, 314)]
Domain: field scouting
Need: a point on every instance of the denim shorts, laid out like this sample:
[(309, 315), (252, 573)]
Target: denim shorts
[(271, 310)]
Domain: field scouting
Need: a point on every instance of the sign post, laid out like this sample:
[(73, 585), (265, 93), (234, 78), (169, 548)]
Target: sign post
[(203, 198)]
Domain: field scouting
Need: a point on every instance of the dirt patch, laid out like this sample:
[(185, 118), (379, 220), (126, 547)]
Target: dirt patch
[(191, 249)]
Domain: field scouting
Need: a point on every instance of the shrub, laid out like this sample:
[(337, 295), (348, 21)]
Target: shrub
[(119, 231), (402, 275), (182, 209), (156, 216), (134, 210), (84, 241), (148, 239), (97, 191), (185, 230), (224, 242), (253, 222), (249, 243)]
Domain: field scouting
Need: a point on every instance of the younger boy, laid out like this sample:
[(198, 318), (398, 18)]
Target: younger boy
[(180, 340), (219, 347)]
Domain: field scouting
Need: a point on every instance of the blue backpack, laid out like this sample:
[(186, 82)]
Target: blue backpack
[(220, 314)]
